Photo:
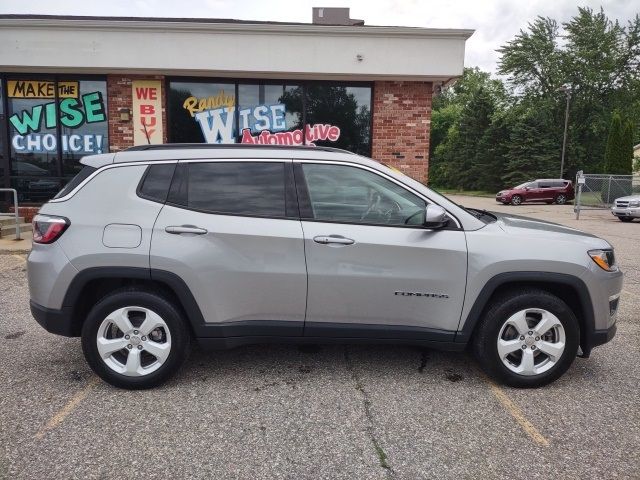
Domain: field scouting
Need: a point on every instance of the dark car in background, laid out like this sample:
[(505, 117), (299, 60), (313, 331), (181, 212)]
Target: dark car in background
[(543, 190)]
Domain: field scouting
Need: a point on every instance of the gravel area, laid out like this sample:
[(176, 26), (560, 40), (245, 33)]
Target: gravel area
[(365, 412)]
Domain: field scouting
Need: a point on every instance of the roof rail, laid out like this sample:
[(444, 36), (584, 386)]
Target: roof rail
[(186, 146)]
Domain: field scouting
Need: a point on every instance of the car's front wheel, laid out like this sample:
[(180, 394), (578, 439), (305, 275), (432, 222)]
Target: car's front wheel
[(626, 219), (561, 199), (527, 338), (135, 339), (516, 200)]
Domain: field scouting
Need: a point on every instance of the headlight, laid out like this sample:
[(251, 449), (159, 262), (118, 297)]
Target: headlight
[(605, 259), (634, 204)]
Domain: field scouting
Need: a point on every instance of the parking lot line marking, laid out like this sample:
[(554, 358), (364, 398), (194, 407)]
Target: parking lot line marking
[(20, 257), (64, 412), (517, 414)]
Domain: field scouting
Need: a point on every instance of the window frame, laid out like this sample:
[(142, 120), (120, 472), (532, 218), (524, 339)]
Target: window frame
[(292, 211), (304, 200)]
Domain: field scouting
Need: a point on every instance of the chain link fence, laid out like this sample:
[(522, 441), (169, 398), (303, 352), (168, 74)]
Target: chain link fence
[(598, 191)]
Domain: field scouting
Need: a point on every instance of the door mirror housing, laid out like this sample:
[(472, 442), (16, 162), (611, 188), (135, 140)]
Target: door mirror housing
[(435, 216)]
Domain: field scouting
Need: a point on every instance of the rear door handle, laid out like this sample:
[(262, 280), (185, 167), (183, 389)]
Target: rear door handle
[(177, 230), (335, 239)]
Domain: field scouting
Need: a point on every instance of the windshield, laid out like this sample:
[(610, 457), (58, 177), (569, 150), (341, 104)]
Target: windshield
[(522, 185)]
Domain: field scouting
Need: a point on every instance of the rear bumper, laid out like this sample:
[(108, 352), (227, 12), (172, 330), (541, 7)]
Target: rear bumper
[(54, 321)]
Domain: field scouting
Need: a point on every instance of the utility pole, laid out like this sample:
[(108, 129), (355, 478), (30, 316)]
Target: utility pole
[(567, 91)]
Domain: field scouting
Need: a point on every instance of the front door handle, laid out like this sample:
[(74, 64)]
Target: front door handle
[(177, 230), (335, 239)]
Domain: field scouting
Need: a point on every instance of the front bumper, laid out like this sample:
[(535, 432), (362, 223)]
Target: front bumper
[(597, 338), (54, 321), (626, 212)]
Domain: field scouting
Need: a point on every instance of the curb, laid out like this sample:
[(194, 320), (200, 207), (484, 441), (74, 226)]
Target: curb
[(15, 252)]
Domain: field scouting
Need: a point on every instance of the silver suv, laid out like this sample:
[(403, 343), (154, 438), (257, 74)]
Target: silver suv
[(150, 248), (627, 208)]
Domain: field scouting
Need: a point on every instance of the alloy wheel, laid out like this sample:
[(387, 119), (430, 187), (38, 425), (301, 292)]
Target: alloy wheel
[(531, 341), (561, 199), (133, 341)]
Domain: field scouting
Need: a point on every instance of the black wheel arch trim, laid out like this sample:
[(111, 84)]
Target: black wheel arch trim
[(169, 279), (586, 321), (72, 324)]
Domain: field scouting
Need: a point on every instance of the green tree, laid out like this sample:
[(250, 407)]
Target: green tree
[(599, 58), (531, 150), (627, 141), (616, 154), (487, 133), (465, 136)]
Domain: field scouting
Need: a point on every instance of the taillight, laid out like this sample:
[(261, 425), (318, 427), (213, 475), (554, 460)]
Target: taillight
[(47, 228)]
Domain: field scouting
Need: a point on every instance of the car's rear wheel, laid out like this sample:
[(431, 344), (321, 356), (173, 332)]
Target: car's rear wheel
[(527, 338), (625, 219), (516, 200), (561, 199), (135, 339)]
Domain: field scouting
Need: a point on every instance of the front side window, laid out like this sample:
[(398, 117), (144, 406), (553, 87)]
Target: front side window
[(340, 193), (232, 188)]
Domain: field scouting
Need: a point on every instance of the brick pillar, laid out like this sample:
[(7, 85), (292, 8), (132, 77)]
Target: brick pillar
[(401, 126), (119, 95)]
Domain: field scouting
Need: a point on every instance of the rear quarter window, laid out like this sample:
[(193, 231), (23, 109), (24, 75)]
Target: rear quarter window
[(75, 181), (156, 181)]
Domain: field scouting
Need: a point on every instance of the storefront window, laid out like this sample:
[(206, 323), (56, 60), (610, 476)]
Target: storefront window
[(32, 128), (275, 110), (84, 124), (345, 107), (3, 163), (41, 128), (202, 112), (271, 113)]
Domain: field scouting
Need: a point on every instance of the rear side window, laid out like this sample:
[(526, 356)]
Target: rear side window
[(233, 188), (156, 182), (75, 181)]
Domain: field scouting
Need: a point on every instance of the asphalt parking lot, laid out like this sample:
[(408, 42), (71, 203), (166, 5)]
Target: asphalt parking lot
[(322, 412)]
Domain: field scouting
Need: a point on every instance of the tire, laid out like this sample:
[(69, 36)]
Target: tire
[(626, 219), (166, 335), (498, 325), (516, 200), (561, 199)]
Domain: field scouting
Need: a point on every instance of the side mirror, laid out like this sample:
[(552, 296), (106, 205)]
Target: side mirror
[(435, 216)]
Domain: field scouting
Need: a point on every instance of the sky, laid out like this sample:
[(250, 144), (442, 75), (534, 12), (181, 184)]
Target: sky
[(495, 21)]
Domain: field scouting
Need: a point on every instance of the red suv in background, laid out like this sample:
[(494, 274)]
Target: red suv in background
[(543, 190)]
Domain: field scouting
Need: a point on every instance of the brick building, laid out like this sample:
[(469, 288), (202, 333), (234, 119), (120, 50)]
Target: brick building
[(73, 86)]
